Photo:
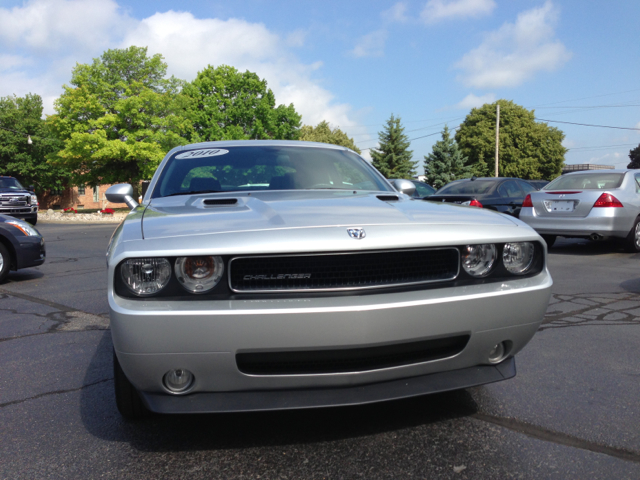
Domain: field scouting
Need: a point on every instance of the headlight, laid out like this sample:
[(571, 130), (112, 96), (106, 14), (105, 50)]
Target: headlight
[(24, 227), (199, 274), (34, 200), (146, 276), (518, 257), (478, 260)]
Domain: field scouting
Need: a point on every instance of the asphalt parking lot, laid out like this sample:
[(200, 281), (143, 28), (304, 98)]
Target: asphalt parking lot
[(571, 412)]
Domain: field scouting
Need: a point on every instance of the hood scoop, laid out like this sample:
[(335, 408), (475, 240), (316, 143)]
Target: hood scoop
[(388, 198), (220, 201)]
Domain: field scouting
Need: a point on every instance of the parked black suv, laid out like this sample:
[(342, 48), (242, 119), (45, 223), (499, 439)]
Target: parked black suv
[(17, 201)]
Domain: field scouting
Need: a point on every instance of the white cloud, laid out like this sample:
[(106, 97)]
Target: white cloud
[(397, 13), (52, 35), (47, 25), (436, 10), (371, 44), (473, 101), (516, 51)]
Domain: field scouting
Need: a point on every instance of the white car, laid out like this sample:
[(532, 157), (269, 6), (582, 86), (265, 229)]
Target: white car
[(260, 275)]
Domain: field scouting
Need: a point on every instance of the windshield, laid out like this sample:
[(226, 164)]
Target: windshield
[(10, 183), (250, 168), (588, 181), (467, 188)]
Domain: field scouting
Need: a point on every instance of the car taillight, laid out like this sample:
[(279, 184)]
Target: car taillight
[(475, 203), (607, 200), (527, 202)]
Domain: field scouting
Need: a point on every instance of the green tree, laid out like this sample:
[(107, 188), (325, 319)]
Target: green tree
[(323, 133), (21, 117), (528, 149), (445, 163), (393, 158), (634, 155), (229, 105), (119, 117)]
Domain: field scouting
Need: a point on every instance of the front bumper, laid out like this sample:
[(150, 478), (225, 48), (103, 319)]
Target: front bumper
[(608, 222), (153, 337), (32, 252)]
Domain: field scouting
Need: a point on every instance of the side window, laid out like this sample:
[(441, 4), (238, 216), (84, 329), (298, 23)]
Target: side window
[(637, 176), (510, 190), (526, 187), (423, 190)]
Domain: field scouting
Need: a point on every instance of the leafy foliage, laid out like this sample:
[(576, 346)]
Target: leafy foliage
[(445, 163), (393, 158), (322, 133), (119, 118), (18, 159), (528, 149), (229, 105), (634, 155)]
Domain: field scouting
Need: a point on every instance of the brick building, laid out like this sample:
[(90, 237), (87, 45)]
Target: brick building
[(83, 197)]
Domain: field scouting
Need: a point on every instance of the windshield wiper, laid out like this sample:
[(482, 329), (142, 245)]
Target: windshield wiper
[(194, 192)]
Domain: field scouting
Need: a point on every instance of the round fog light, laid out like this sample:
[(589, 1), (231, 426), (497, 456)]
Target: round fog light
[(178, 380), (497, 353)]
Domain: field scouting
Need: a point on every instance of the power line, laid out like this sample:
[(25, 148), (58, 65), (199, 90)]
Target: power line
[(603, 146), (588, 98), (416, 138), (588, 124)]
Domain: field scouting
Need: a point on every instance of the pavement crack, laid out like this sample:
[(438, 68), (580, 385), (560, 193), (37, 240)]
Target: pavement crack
[(559, 438), (55, 392), (586, 310)]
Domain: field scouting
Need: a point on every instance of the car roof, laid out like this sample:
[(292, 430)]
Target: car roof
[(604, 170), (261, 143)]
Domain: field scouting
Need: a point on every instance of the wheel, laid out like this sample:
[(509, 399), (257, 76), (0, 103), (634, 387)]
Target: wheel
[(128, 399), (5, 262), (549, 240), (632, 242), (33, 221)]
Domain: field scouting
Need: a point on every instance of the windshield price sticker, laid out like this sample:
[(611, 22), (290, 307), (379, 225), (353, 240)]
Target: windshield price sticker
[(201, 153)]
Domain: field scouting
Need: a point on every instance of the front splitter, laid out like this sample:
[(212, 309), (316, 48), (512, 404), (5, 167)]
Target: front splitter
[(263, 400)]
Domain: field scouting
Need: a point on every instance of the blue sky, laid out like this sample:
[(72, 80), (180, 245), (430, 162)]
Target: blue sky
[(354, 63)]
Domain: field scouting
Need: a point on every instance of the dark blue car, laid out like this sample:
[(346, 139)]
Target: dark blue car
[(21, 246)]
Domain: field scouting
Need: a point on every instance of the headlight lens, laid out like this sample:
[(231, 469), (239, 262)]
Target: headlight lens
[(24, 227), (199, 274), (478, 260), (146, 276), (34, 200), (518, 257)]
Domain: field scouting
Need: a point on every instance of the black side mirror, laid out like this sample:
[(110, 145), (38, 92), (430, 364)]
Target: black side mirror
[(32, 188)]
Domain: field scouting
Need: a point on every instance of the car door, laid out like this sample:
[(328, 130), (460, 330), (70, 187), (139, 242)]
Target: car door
[(511, 197)]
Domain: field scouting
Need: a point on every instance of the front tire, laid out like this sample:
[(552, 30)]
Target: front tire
[(632, 242), (128, 399), (5, 262)]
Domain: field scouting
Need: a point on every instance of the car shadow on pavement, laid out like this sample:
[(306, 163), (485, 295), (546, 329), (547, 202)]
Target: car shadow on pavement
[(161, 433), (578, 246), (23, 275)]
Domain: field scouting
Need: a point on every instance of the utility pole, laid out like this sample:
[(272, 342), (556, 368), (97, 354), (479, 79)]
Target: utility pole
[(497, 135)]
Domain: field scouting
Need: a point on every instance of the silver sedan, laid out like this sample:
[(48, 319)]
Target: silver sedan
[(590, 204), (260, 275)]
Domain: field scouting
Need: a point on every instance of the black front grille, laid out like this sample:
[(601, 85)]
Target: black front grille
[(327, 272), (349, 360), (14, 200)]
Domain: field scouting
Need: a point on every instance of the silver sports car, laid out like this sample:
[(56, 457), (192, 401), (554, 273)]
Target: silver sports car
[(591, 204), (261, 275)]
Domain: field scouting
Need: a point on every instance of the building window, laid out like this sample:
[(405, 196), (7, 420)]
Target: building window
[(81, 189), (96, 193)]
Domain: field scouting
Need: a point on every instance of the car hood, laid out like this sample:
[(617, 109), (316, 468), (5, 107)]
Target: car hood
[(190, 215), (13, 190)]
